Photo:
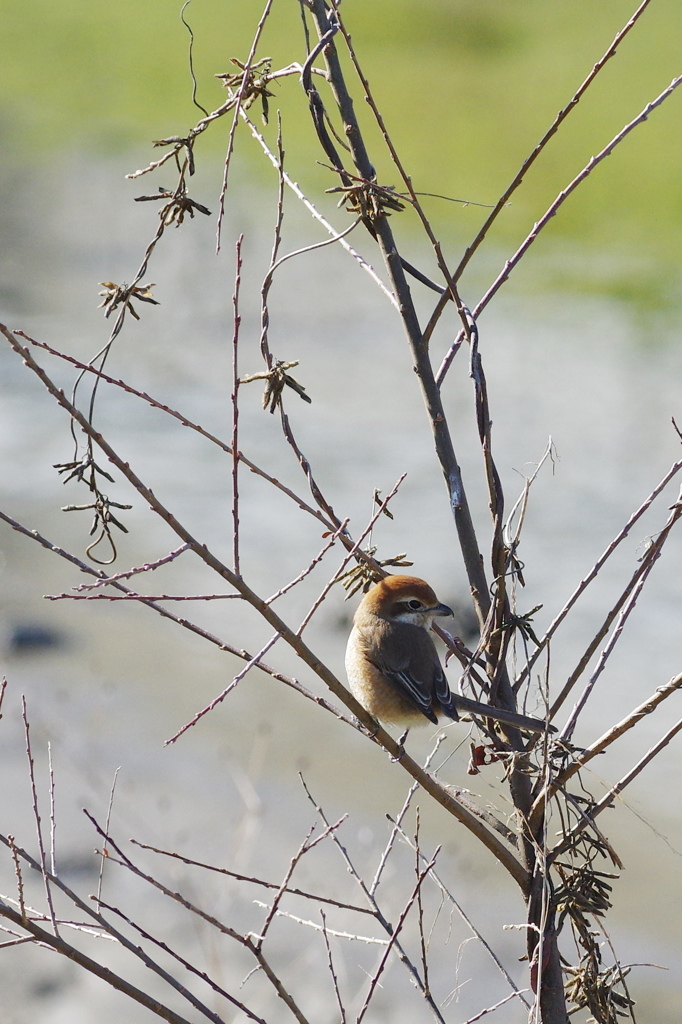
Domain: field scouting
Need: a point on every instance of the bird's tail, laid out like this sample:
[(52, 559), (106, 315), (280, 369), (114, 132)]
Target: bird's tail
[(459, 704)]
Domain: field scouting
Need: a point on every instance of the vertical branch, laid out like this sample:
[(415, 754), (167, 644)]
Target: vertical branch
[(53, 816), (276, 242), (330, 964), (493, 640), (19, 877), (36, 815), (235, 120), (420, 911), (421, 875), (104, 853), (473, 559), (235, 409)]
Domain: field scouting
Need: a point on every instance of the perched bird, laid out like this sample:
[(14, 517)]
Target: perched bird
[(392, 664)]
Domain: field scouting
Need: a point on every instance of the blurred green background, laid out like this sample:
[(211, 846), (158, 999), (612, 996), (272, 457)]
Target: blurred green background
[(467, 88)]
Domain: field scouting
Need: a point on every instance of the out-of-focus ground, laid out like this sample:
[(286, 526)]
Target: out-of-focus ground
[(121, 681)]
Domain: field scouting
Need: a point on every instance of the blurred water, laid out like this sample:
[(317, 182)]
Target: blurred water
[(581, 370)]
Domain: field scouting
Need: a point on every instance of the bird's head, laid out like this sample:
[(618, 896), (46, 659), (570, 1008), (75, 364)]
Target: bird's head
[(404, 599)]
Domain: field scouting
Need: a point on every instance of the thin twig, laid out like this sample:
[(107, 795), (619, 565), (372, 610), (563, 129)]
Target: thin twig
[(315, 561), (53, 815), (251, 663), (383, 860), (307, 844), (596, 568), (238, 109), (332, 972), (128, 573), (235, 410), (632, 592), (36, 815), (398, 928), (551, 211), (599, 746), (104, 851), (496, 1006), (420, 912), (381, 508), (19, 877), (254, 881), (606, 801)]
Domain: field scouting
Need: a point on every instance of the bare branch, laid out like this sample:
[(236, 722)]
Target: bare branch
[(332, 972), (235, 409), (398, 928), (238, 108), (36, 815), (610, 736), (255, 881), (552, 130), (614, 791), (625, 605), (594, 571), (551, 211), (92, 966)]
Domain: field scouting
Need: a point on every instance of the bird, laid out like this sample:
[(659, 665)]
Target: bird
[(392, 664)]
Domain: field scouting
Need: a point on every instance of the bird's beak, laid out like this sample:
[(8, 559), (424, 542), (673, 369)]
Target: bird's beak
[(441, 610)]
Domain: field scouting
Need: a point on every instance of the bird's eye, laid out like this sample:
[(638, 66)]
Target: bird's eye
[(414, 605)]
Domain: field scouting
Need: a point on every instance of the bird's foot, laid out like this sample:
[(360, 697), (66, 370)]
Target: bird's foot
[(401, 746)]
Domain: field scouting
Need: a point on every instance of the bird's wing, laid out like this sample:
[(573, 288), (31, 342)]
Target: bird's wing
[(407, 657)]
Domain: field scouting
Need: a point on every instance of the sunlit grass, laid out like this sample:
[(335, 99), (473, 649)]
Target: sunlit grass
[(467, 88)]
